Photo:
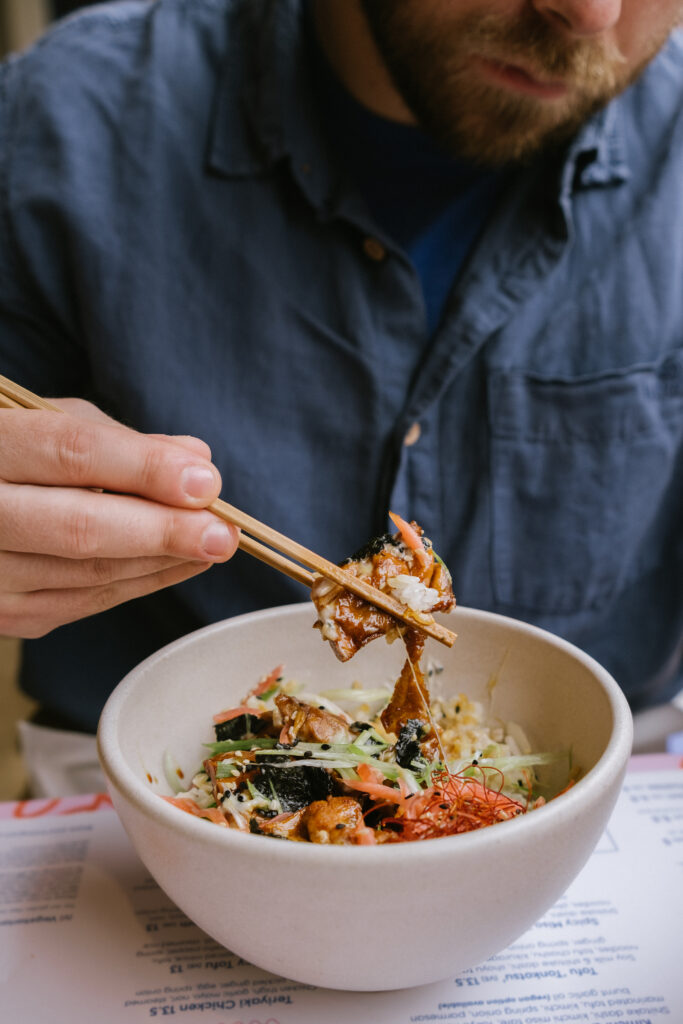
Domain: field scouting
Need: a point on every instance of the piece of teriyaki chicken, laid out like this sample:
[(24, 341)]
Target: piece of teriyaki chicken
[(403, 565)]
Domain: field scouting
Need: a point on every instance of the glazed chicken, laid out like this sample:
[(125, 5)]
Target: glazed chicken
[(403, 565), (301, 721)]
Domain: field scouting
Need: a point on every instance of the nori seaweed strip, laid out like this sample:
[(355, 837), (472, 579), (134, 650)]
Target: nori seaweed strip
[(407, 747), (243, 727), (373, 547), (296, 785)]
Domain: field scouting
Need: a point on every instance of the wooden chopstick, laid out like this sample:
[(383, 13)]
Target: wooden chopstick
[(328, 569), (8, 403), (272, 558), (14, 396), (18, 397)]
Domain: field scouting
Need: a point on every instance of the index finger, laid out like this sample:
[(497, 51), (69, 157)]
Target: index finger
[(61, 449)]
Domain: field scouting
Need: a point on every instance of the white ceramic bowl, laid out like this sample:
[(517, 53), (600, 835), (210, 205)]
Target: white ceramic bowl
[(364, 918)]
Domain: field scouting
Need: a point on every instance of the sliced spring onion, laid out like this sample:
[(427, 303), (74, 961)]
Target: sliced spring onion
[(228, 769), (317, 762), (327, 758), (357, 696), (225, 746), (368, 741), (509, 764)]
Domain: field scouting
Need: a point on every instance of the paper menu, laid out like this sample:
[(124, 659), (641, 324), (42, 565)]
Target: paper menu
[(86, 935)]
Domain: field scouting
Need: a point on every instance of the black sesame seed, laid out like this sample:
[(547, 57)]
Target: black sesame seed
[(474, 761), (340, 824), (324, 746), (444, 807), (321, 707), (308, 753), (457, 709)]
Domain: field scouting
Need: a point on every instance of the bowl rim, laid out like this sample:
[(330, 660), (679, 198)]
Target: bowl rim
[(609, 767)]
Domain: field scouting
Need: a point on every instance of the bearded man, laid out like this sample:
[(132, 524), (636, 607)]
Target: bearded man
[(418, 254)]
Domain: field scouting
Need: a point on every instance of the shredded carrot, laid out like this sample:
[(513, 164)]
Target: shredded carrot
[(380, 792), (263, 684), (188, 805), (456, 803), (413, 540), (226, 716), (411, 537), (266, 683), (369, 774)]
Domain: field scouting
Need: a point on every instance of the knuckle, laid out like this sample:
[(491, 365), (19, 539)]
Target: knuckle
[(82, 534), (74, 452), (151, 468), (100, 570), (104, 597), (173, 539)]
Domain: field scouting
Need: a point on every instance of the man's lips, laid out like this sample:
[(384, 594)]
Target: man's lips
[(517, 79)]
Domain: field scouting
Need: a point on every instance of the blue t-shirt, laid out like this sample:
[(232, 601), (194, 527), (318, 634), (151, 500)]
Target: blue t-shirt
[(178, 243)]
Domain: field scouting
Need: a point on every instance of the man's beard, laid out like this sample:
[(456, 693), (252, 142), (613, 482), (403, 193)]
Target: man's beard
[(471, 117)]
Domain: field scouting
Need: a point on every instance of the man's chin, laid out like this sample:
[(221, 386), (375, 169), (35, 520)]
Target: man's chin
[(494, 133)]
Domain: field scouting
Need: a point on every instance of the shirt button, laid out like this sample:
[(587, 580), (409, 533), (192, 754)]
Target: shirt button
[(413, 435), (374, 249)]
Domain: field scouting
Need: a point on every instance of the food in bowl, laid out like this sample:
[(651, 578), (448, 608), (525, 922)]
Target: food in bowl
[(323, 768), (388, 767)]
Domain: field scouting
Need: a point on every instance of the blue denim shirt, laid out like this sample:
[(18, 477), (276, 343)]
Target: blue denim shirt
[(177, 244)]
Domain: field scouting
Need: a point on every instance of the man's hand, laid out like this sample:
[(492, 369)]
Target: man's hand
[(67, 551)]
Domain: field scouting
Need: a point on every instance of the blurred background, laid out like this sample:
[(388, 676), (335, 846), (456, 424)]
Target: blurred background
[(21, 22)]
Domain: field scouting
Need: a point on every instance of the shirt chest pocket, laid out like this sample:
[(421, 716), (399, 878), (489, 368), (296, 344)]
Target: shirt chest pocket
[(585, 483)]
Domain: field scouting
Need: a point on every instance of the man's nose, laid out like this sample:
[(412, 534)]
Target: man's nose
[(580, 17)]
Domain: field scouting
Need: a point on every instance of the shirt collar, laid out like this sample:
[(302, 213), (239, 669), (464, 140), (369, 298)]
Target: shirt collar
[(266, 111), (597, 157)]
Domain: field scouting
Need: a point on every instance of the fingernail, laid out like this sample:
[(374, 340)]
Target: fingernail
[(198, 482), (217, 539)]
